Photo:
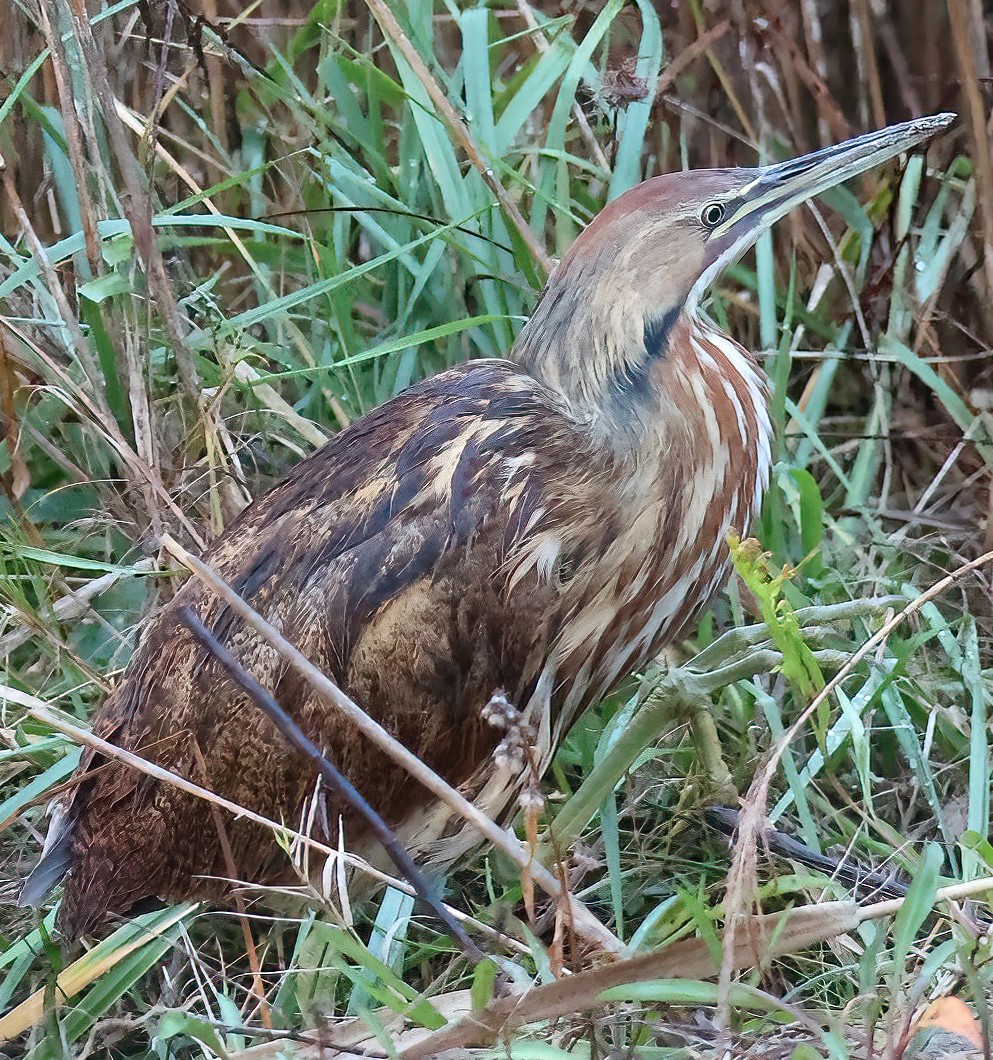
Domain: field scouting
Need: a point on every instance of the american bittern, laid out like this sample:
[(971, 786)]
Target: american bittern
[(540, 525)]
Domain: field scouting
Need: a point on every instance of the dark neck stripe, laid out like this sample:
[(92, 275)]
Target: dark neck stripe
[(657, 332), (632, 380)]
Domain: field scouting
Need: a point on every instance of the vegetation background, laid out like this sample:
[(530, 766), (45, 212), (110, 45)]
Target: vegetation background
[(226, 230)]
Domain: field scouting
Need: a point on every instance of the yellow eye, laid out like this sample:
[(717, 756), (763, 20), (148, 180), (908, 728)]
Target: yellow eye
[(712, 214)]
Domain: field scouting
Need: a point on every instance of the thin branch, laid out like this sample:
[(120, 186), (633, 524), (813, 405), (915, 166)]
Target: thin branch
[(964, 29), (138, 208), (704, 42), (846, 870), (331, 777), (69, 109), (504, 840)]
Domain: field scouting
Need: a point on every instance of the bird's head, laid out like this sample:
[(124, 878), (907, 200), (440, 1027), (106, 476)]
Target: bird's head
[(601, 332)]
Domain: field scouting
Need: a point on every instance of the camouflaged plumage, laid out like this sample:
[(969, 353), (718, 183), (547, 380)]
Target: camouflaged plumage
[(541, 525)]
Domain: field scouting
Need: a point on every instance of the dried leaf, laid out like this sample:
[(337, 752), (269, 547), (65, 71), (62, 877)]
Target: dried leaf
[(527, 881)]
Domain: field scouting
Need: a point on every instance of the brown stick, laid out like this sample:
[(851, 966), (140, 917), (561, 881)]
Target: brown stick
[(690, 54), (138, 207), (74, 141), (963, 34), (586, 924)]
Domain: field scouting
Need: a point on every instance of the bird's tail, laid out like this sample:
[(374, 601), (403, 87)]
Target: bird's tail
[(91, 889), (55, 858), (108, 872)]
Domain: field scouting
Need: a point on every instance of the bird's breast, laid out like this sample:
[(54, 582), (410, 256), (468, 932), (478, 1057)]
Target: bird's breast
[(654, 549)]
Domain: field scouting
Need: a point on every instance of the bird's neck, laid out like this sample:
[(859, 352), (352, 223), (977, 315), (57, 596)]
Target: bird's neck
[(608, 358), (657, 386), (693, 465)]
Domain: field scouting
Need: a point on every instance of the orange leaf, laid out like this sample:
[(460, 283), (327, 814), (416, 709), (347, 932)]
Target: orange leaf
[(556, 951), (531, 810)]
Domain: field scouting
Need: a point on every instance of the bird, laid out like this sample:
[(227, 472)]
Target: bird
[(504, 541)]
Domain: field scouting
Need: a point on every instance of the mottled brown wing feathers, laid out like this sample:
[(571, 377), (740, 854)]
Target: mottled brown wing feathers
[(382, 556)]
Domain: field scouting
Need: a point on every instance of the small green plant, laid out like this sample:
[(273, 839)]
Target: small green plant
[(753, 566)]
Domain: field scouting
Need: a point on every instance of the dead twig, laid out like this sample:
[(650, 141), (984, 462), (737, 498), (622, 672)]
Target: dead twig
[(137, 205), (689, 55), (964, 36), (846, 870), (332, 778), (586, 924)]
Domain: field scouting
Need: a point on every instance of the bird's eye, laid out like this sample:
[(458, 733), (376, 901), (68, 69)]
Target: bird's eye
[(712, 214)]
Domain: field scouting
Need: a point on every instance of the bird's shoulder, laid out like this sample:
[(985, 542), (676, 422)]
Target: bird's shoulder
[(444, 451)]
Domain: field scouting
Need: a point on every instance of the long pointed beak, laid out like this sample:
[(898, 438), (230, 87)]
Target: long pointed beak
[(778, 188)]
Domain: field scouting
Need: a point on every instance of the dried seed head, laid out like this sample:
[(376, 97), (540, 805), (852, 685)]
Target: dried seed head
[(531, 799), (499, 711)]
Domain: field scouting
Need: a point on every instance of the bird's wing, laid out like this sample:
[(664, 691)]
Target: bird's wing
[(433, 489)]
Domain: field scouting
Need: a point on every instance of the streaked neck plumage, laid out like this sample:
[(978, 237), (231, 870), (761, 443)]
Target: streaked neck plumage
[(624, 365), (681, 414)]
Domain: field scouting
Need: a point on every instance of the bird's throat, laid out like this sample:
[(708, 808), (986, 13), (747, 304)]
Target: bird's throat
[(604, 358)]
